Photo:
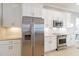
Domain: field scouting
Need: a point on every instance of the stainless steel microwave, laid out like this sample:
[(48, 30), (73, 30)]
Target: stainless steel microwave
[(57, 24)]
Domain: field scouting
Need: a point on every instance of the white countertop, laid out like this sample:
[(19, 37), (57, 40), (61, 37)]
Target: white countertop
[(60, 33)]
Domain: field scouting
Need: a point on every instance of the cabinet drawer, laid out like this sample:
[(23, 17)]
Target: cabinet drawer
[(15, 41), (4, 42)]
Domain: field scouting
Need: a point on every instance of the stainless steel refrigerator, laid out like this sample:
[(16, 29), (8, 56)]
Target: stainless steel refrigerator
[(32, 36)]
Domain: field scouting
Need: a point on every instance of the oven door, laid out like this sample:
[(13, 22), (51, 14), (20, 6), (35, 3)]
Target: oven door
[(61, 41)]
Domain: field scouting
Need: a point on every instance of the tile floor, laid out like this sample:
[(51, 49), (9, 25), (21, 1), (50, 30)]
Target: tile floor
[(70, 51)]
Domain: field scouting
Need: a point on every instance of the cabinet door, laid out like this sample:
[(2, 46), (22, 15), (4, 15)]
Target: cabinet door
[(0, 14), (11, 14), (4, 51), (27, 9), (37, 10), (47, 15), (70, 40), (30, 9), (15, 48), (53, 43), (50, 43), (4, 48), (47, 46)]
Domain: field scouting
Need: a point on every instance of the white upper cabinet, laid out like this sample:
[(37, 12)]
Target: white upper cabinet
[(0, 14), (26, 9), (37, 9), (12, 14), (30, 9), (51, 14), (48, 17)]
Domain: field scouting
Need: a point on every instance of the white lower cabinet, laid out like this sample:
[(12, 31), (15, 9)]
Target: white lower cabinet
[(10, 48), (70, 40), (15, 48), (50, 44), (4, 50)]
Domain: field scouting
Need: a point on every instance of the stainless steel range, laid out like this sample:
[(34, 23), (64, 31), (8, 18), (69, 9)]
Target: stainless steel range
[(61, 42)]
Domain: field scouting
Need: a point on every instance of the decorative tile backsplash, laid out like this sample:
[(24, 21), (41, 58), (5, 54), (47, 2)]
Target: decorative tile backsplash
[(10, 32), (2, 32)]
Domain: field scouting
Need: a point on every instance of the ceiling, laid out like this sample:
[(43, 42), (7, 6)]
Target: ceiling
[(73, 7)]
